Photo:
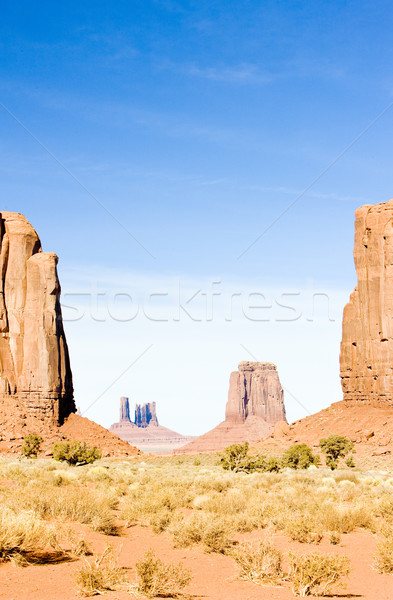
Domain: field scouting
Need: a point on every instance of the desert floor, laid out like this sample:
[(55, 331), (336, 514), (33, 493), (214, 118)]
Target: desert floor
[(189, 511)]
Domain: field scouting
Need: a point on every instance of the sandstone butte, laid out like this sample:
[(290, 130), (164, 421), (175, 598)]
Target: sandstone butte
[(365, 414), (255, 404), (36, 388), (144, 431)]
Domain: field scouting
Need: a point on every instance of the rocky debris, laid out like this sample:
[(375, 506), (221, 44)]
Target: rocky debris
[(255, 404), (34, 361), (146, 433), (366, 360)]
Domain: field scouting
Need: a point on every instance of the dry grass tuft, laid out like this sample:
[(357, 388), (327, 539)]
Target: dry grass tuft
[(213, 532), (315, 574), (260, 564), (73, 503), (25, 535), (384, 556), (102, 575), (158, 579)]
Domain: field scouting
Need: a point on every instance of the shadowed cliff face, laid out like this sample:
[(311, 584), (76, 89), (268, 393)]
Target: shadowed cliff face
[(34, 360), (366, 359)]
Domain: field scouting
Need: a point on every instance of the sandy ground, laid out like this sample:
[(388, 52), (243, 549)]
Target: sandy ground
[(214, 576)]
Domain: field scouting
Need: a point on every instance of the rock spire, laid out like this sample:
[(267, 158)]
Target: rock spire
[(366, 359), (34, 361)]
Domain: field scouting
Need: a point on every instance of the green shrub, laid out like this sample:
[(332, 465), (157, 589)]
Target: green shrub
[(76, 453), (32, 445), (236, 458), (350, 462), (299, 456), (335, 447)]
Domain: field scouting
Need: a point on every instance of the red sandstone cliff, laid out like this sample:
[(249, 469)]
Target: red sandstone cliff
[(366, 360), (36, 389)]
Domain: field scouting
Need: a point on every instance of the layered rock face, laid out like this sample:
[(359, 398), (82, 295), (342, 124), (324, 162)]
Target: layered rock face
[(255, 390), (34, 361), (366, 359), (255, 404)]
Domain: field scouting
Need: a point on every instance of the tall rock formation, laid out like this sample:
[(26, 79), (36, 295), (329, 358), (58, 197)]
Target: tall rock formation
[(124, 410), (146, 433), (255, 391), (34, 362), (146, 414), (255, 404), (366, 359)]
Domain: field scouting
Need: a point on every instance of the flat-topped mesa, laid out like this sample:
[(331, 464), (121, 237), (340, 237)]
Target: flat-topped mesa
[(146, 414), (34, 360), (255, 391), (255, 404), (366, 359)]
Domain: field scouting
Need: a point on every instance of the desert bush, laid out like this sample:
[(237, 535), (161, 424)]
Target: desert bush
[(76, 453), (32, 445), (160, 521), (236, 458), (335, 447), (260, 564), (316, 574), (71, 503), (158, 579), (303, 529), (24, 534), (299, 456), (214, 533), (101, 575), (384, 555), (334, 538), (344, 519), (144, 503), (350, 462)]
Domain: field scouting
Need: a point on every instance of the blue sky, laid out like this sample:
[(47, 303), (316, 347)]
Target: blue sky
[(196, 125)]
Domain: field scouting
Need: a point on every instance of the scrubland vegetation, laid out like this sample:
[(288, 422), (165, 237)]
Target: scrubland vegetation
[(195, 503)]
